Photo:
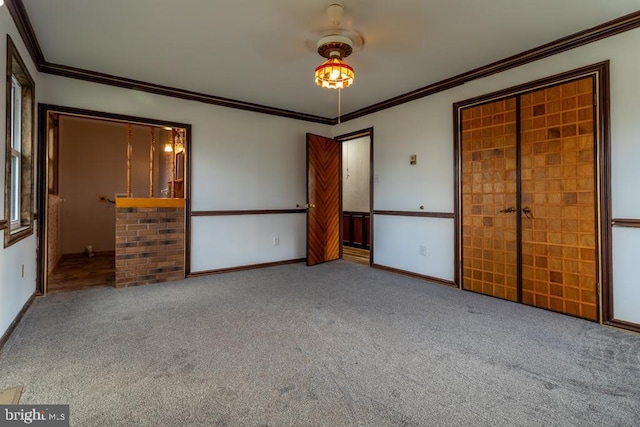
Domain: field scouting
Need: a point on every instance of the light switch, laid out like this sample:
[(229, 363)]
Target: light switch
[(413, 159)]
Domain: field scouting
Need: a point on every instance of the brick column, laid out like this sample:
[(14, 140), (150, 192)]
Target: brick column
[(149, 241)]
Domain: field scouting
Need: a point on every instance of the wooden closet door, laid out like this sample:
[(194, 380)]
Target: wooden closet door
[(558, 186), (488, 178)]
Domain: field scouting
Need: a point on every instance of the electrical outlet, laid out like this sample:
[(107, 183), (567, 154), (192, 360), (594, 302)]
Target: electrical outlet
[(423, 250), (276, 241)]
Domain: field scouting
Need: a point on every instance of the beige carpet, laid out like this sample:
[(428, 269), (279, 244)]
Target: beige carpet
[(10, 396), (337, 344)]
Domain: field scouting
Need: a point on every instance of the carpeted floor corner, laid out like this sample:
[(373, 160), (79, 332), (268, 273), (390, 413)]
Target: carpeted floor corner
[(336, 344)]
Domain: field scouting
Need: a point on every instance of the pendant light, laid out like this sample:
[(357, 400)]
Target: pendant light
[(334, 73)]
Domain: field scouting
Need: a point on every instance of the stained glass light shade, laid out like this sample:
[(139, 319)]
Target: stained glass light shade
[(334, 74)]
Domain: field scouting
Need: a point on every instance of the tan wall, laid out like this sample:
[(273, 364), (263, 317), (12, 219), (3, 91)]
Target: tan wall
[(93, 162)]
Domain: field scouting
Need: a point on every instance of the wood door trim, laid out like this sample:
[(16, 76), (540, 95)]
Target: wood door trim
[(600, 73), (241, 212), (437, 280), (567, 76), (448, 215), (347, 137), (3, 224), (41, 165), (625, 222)]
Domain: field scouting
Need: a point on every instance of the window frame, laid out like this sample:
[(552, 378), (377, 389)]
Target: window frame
[(19, 160), (14, 152)]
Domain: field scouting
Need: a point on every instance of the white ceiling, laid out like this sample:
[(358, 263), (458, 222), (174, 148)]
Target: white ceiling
[(258, 50)]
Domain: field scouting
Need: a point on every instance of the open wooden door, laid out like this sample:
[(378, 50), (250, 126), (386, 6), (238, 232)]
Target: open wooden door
[(323, 199)]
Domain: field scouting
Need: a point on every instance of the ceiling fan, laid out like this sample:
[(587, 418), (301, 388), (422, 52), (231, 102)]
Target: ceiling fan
[(337, 40), (335, 45), (388, 28)]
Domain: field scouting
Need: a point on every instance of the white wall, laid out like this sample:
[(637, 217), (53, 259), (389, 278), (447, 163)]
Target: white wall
[(243, 160), (240, 160), (15, 290), (393, 248), (355, 174), (626, 293), (424, 127), (225, 241)]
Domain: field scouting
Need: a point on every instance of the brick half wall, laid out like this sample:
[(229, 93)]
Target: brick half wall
[(149, 245)]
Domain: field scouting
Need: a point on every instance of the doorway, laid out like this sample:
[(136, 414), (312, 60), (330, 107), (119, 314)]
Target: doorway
[(92, 160), (530, 194), (326, 216), (357, 196)]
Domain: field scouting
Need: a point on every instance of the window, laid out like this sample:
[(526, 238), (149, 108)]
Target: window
[(19, 165), (16, 110)]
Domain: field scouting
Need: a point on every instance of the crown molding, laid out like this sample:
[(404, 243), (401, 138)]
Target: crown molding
[(23, 23), (599, 32), (590, 35), (123, 82)]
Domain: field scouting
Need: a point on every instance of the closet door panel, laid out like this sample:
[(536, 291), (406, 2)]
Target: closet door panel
[(488, 182), (558, 199)]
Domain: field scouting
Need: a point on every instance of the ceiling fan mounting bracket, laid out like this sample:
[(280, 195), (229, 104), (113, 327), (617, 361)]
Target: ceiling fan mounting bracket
[(335, 45)]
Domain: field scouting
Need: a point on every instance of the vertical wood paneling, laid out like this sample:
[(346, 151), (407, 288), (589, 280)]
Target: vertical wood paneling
[(356, 229), (358, 237), (346, 229)]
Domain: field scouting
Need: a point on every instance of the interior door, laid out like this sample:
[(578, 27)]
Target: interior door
[(529, 200), (559, 200), (489, 199), (323, 199)]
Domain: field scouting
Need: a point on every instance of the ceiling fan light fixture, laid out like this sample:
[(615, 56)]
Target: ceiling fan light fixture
[(334, 74), (329, 45)]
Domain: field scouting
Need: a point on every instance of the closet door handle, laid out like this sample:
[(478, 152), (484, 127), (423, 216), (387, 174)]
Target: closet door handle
[(508, 210), (527, 212)]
